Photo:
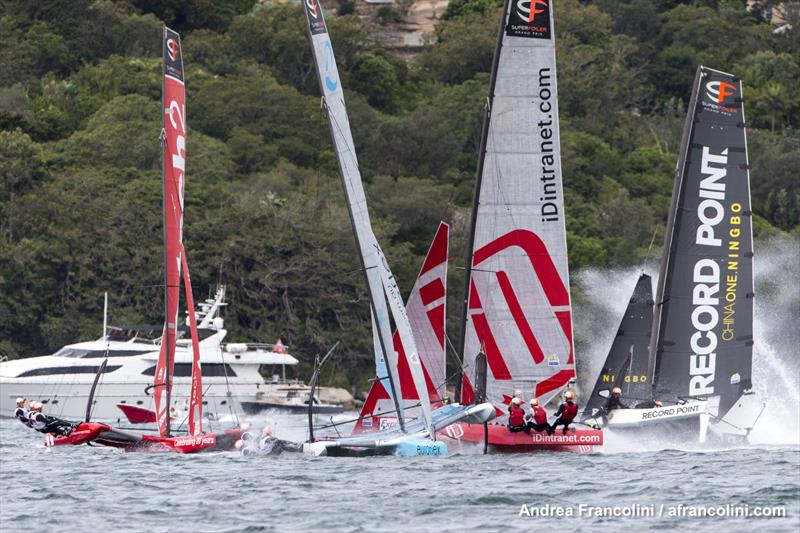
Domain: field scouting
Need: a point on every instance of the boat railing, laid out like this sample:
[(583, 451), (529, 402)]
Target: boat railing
[(237, 347)]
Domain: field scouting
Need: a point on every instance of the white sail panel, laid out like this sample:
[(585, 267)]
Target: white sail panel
[(519, 309)]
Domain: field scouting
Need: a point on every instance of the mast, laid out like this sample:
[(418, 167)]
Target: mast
[(518, 309), (703, 329), (476, 196)]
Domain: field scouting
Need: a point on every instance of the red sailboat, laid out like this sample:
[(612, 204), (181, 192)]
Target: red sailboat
[(175, 265)]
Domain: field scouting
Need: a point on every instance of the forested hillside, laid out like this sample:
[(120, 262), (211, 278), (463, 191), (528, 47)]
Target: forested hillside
[(80, 169)]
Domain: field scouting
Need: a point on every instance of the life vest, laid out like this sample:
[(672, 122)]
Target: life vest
[(569, 411), (38, 421), (516, 416), (539, 415)]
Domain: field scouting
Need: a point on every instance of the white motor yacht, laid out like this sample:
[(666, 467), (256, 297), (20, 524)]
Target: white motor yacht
[(62, 381)]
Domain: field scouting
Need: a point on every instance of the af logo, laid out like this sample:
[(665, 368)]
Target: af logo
[(718, 91), (528, 9)]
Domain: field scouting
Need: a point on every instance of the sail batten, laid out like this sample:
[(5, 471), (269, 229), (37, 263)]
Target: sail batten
[(518, 308)]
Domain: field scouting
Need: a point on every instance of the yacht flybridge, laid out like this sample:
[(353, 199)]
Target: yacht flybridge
[(62, 381)]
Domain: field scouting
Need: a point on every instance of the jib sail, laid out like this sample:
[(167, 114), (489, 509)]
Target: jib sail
[(517, 292), (703, 327), (628, 363)]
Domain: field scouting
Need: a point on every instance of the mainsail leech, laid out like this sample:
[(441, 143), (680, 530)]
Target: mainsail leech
[(703, 327), (518, 307)]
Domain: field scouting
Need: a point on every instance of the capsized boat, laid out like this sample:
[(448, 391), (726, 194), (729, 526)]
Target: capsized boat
[(518, 308), (702, 338), (628, 367), (176, 266), (385, 300), (426, 312)]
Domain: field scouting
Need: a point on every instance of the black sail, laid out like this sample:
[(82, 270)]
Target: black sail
[(703, 326), (628, 363)]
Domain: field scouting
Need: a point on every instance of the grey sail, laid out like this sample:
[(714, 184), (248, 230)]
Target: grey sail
[(628, 363), (380, 282), (703, 325)]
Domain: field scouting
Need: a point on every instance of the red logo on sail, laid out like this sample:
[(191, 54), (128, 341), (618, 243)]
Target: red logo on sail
[(554, 290), (530, 11), (312, 8), (718, 91), (172, 49)]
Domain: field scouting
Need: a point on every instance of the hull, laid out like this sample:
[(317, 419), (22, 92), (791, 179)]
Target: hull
[(103, 435), (406, 446), (638, 418), (255, 407), (501, 440)]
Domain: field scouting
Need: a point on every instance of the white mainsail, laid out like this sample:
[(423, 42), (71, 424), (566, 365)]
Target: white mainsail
[(518, 309)]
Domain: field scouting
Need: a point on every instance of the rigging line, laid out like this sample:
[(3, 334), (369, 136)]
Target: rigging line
[(649, 249), (228, 393)]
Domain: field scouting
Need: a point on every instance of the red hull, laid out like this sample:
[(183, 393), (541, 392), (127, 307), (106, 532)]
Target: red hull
[(104, 435), (137, 415), (504, 441)]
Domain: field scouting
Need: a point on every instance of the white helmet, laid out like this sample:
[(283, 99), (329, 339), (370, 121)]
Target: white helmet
[(535, 402), (516, 400), (20, 401), (239, 444), (267, 431)]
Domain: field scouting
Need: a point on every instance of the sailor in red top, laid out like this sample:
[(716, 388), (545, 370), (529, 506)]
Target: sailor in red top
[(516, 416), (537, 420), (566, 413)]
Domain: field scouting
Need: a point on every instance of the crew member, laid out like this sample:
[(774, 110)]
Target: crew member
[(49, 424), (566, 413), (648, 404), (268, 444), (516, 416), (22, 414), (537, 420), (614, 401)]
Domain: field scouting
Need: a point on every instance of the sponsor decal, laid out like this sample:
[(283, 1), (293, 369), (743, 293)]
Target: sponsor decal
[(552, 360), (707, 274), (736, 379), (593, 437), (316, 23), (665, 412), (719, 97), (454, 431), (530, 19), (387, 423), (173, 64), (547, 145), (367, 422), (200, 440)]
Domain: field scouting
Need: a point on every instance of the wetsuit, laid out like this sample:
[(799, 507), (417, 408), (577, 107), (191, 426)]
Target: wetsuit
[(613, 402), (50, 424), (23, 415), (275, 446), (539, 422), (516, 419), (647, 404), (566, 414)]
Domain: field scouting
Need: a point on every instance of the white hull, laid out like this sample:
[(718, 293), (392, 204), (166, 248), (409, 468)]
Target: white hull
[(635, 418)]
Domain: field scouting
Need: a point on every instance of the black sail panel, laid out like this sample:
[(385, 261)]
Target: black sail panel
[(703, 340), (628, 363)]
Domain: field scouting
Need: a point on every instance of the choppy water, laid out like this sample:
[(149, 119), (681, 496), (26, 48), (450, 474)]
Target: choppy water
[(94, 489)]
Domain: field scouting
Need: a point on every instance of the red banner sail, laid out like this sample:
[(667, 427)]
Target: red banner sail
[(174, 146)]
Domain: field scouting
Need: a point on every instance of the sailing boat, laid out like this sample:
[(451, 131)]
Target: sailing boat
[(518, 309), (175, 264), (702, 338), (629, 367), (701, 350), (416, 438), (426, 313)]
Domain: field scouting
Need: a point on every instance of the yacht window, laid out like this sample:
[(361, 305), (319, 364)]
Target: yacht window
[(184, 370), (83, 353), (62, 370)]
